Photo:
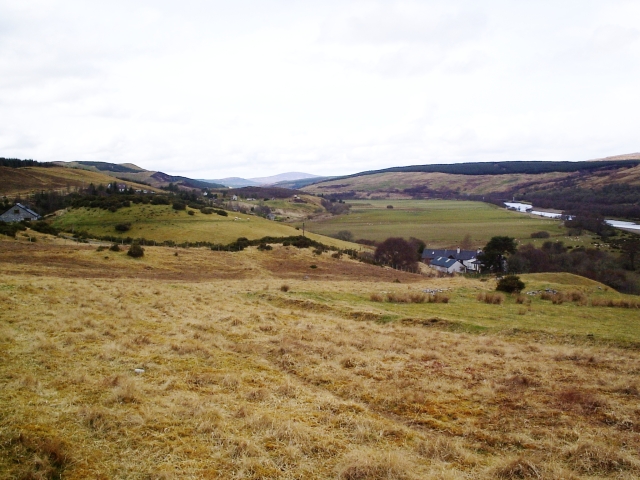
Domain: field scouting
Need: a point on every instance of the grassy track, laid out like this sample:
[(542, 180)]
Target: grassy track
[(161, 222), (437, 222)]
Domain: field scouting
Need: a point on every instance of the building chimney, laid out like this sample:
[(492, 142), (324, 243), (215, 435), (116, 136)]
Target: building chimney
[(458, 250)]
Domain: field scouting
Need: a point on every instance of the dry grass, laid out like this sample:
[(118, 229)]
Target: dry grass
[(615, 303), (206, 377), (491, 298)]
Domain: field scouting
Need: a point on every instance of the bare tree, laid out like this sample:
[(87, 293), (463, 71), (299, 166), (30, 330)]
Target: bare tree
[(398, 253)]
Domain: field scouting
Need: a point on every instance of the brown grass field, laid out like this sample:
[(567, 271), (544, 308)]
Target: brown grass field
[(22, 181), (188, 363)]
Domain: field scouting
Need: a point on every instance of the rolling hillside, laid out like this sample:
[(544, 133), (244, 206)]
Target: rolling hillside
[(162, 223), (408, 184), (27, 180), (131, 172)]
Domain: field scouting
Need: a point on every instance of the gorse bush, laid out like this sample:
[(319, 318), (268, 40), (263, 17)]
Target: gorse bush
[(135, 251), (43, 227), (510, 284), (10, 229), (541, 234)]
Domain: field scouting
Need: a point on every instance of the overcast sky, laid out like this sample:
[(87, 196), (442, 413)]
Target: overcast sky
[(210, 89)]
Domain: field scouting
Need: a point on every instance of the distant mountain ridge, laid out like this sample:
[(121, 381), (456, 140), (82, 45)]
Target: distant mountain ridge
[(131, 172), (283, 177), (238, 182)]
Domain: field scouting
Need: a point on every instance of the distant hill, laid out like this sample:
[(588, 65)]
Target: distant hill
[(297, 179), (298, 184), (235, 182), (609, 186), (131, 172), (283, 177)]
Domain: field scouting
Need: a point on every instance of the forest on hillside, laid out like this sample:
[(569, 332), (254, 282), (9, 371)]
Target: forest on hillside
[(504, 168)]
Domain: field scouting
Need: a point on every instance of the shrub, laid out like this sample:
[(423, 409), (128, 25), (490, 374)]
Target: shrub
[(114, 248), (191, 212), (179, 206), (222, 213), (264, 246), (313, 266), (43, 227), (510, 284), (207, 210), (284, 287), (10, 229), (123, 227), (389, 206), (541, 234), (345, 235), (135, 250)]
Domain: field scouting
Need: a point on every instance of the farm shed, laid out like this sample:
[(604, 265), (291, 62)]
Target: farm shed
[(17, 213)]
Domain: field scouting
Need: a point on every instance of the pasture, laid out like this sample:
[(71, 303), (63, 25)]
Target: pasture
[(161, 222), (253, 365), (439, 223)]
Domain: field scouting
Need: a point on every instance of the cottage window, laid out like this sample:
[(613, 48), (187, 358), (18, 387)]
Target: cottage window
[(16, 211)]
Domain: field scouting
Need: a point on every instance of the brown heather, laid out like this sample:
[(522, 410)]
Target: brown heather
[(202, 366)]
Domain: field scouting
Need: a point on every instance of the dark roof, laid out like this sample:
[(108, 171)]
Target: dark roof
[(443, 262), (23, 208), (28, 210), (463, 255)]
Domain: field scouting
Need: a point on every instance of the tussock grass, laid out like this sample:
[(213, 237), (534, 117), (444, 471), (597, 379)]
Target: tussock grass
[(615, 303), (491, 298), (239, 382)]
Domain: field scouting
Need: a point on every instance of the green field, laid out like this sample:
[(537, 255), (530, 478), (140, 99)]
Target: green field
[(534, 317), (439, 223), (161, 223)]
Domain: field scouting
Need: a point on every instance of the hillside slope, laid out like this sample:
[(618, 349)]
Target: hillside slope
[(162, 223), (131, 172), (29, 179), (417, 184)]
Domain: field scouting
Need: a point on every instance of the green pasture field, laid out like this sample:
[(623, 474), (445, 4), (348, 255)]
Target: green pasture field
[(464, 312), (439, 223), (161, 222)]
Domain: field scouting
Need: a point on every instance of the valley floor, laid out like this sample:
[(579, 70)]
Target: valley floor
[(189, 363)]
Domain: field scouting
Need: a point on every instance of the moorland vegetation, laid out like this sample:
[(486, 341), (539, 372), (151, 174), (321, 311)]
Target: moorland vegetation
[(253, 365)]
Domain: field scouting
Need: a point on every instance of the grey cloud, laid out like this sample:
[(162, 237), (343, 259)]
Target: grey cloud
[(390, 25)]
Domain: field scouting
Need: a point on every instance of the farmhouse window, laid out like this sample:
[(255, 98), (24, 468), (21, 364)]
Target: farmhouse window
[(16, 211)]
